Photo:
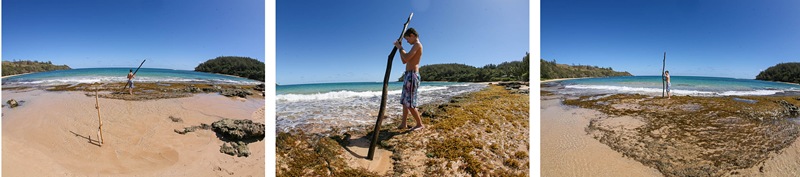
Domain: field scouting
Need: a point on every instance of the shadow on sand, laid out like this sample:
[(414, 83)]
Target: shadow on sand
[(94, 142), (363, 142)]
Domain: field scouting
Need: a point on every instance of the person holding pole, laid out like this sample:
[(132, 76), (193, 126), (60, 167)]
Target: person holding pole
[(131, 75), (411, 77), (666, 78)]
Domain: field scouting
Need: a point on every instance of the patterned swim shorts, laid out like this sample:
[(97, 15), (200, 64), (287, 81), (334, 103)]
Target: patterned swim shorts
[(669, 84), (130, 84), (408, 97)]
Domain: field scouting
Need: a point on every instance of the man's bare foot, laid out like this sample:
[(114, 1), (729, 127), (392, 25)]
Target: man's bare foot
[(418, 127), (403, 127)]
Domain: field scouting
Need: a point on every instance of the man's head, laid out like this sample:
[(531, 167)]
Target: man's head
[(411, 36), (130, 70), (666, 72)]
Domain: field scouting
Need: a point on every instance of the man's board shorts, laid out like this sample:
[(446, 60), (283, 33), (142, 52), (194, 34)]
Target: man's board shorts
[(669, 84), (130, 84), (409, 95)]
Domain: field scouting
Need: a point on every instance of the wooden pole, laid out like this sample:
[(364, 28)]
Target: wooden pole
[(97, 106), (376, 131), (663, 77), (134, 73)]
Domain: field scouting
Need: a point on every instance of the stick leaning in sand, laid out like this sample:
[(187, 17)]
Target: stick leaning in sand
[(97, 106)]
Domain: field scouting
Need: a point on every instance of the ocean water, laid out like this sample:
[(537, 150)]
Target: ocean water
[(107, 75), (681, 85), (317, 107)]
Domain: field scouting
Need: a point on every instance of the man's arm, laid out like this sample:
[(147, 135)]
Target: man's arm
[(404, 55)]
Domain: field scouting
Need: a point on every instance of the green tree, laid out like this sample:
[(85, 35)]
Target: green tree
[(232, 65)]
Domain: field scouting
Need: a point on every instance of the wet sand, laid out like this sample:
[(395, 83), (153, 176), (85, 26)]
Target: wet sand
[(56, 134), (567, 150)]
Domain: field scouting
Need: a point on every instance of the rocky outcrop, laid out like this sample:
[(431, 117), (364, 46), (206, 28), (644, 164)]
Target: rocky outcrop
[(175, 119), (236, 92), (12, 103), (515, 87), (235, 149), (192, 129), (790, 108), (238, 130), (236, 133)]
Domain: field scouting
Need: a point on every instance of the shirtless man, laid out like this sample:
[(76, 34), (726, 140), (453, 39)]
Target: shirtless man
[(411, 77), (666, 78), (130, 83)]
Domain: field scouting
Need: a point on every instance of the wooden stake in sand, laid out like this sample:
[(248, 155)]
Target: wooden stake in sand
[(663, 77), (377, 129), (97, 106)]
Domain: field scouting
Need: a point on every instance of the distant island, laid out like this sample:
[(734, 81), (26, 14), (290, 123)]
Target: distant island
[(553, 70), (454, 72), (783, 72), (232, 65), (27, 66)]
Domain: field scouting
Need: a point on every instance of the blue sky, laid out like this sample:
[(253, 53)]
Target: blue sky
[(720, 38), (174, 34), (349, 41)]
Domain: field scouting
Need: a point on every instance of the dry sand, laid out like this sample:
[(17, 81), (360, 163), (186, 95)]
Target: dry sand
[(786, 163), (566, 149), (54, 134)]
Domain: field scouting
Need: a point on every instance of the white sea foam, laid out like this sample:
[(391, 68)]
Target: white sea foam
[(754, 92), (346, 94), (349, 108)]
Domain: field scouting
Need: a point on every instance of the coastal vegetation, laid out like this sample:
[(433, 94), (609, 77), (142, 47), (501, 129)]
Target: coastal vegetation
[(27, 66), (238, 66), (454, 72), (783, 72), (553, 70)]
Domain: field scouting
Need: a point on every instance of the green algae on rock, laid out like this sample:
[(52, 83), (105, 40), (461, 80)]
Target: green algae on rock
[(693, 136)]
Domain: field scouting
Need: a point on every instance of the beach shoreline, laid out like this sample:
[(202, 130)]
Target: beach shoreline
[(55, 133), (632, 125), (479, 133), (16, 75)]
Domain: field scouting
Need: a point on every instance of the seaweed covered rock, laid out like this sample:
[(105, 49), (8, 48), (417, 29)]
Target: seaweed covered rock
[(192, 129), (235, 130), (235, 149), (259, 87), (236, 92), (192, 89), (791, 109)]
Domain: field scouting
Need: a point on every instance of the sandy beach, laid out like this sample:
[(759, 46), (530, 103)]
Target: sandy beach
[(637, 135), (55, 133), (567, 150)]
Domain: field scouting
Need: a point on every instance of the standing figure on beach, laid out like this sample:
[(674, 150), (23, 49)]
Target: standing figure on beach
[(666, 77), (130, 82), (411, 77)]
